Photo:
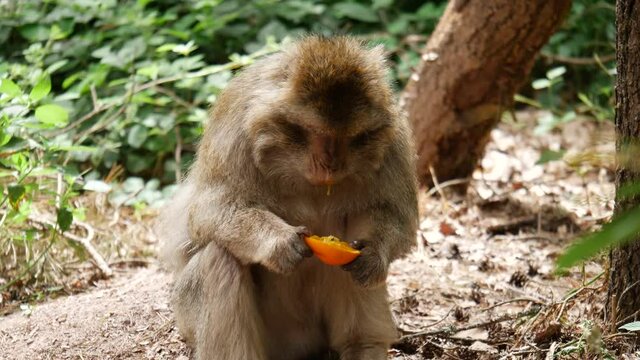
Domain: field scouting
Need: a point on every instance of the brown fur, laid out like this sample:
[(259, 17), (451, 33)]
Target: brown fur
[(246, 287)]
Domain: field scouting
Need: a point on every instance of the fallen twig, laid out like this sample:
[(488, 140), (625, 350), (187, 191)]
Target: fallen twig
[(84, 241), (513, 226), (131, 262), (578, 60), (432, 324), (575, 292), (449, 330), (529, 299), (444, 184)]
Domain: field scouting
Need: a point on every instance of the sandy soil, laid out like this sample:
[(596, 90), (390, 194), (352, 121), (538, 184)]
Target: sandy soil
[(124, 318)]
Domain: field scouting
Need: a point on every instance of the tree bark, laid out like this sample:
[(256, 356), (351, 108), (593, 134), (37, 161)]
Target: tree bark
[(478, 56), (623, 297)]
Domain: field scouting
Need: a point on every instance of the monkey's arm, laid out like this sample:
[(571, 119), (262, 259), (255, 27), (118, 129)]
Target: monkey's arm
[(386, 229), (249, 232)]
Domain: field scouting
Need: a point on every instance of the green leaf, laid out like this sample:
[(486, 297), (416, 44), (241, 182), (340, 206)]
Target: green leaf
[(71, 79), (546, 123), (132, 49), (52, 114), (540, 84), (8, 87), (556, 72), (525, 100), (618, 232), (549, 155), (629, 190), (137, 135), (16, 194), (150, 71), (430, 12), (97, 186), (568, 116), (585, 99), (166, 47), (56, 66), (58, 33), (398, 26), (74, 148), (355, 11), (4, 138), (42, 89), (632, 326), (381, 4), (137, 164), (185, 49), (64, 219), (34, 32), (296, 11)]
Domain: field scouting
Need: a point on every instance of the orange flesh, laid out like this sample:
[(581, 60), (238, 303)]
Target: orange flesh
[(331, 250)]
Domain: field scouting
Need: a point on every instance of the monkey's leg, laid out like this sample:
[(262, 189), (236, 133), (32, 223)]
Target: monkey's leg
[(360, 323), (215, 307)]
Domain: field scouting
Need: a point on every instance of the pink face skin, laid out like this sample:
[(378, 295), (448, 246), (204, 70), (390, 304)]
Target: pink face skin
[(327, 155), (319, 153)]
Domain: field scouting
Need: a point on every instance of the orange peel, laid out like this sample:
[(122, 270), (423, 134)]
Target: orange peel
[(331, 250)]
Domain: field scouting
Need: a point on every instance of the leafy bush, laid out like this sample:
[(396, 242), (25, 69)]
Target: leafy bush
[(575, 74)]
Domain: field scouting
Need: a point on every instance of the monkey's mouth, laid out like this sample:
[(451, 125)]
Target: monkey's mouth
[(321, 181), (322, 178)]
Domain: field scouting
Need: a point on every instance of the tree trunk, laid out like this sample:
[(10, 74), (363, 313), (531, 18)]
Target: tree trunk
[(623, 298), (475, 60)]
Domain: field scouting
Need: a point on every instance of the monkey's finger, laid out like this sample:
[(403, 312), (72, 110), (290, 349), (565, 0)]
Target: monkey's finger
[(354, 265), (357, 244), (367, 255), (302, 248), (303, 231)]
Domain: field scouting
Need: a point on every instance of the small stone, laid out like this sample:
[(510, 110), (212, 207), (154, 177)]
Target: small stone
[(430, 56), (479, 346)]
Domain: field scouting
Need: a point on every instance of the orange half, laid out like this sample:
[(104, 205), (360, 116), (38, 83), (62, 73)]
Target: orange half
[(331, 250)]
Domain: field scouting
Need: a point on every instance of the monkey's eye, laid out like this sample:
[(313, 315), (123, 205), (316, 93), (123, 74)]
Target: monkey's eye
[(366, 137), (361, 139), (294, 132)]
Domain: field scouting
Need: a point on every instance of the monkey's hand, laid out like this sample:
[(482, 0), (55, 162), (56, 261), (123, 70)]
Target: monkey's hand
[(288, 251), (370, 268)]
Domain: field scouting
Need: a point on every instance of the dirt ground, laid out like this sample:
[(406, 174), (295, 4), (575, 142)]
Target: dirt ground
[(126, 317), (480, 283)]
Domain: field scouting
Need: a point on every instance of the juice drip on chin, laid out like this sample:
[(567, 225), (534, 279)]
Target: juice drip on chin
[(328, 189)]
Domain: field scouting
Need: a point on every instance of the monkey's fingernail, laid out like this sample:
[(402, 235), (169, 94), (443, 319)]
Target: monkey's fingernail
[(357, 244)]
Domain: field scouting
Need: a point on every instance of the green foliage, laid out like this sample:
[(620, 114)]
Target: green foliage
[(549, 155), (576, 75), (619, 231), (131, 79)]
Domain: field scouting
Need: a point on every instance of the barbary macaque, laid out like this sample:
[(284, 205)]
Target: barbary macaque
[(318, 114)]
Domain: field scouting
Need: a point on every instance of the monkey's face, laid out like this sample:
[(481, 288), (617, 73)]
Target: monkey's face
[(318, 153)]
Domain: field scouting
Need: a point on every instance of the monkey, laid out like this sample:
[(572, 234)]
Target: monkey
[(318, 113)]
